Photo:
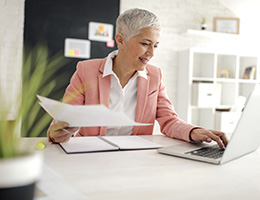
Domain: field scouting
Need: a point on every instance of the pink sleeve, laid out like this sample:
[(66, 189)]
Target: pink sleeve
[(170, 124), (74, 93)]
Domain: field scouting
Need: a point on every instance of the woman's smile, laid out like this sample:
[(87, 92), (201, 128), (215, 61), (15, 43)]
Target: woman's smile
[(144, 60)]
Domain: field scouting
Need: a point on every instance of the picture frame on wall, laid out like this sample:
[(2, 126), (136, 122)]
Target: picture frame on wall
[(226, 25)]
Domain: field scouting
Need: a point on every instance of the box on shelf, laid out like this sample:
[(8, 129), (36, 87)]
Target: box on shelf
[(206, 95), (226, 121)]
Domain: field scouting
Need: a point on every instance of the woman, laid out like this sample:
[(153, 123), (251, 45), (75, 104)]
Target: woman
[(124, 81)]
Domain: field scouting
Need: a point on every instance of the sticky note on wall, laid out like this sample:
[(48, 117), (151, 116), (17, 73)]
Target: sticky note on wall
[(111, 43)]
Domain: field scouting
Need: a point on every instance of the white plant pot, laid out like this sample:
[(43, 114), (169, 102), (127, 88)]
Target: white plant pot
[(19, 175), (203, 26)]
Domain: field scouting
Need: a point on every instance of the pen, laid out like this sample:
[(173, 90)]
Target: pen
[(66, 130)]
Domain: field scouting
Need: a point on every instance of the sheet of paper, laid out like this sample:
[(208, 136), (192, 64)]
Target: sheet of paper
[(131, 142), (86, 115), (86, 144)]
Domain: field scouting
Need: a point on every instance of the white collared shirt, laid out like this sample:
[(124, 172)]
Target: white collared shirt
[(122, 99)]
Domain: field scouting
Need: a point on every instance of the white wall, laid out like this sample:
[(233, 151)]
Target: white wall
[(248, 12), (11, 43)]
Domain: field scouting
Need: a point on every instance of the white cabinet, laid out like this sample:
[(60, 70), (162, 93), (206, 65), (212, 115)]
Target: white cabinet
[(205, 95), (209, 81), (226, 121)]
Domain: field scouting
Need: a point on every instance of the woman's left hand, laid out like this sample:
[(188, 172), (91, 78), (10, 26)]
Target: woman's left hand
[(204, 135)]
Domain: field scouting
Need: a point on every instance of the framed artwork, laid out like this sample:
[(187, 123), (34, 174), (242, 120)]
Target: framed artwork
[(77, 48), (100, 31), (226, 25)]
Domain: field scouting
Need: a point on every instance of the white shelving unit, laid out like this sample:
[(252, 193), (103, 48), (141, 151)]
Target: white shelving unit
[(199, 66)]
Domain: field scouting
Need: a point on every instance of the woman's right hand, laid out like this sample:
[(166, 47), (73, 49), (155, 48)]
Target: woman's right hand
[(59, 132)]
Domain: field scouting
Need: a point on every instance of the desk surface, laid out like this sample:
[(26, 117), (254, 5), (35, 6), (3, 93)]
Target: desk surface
[(146, 174)]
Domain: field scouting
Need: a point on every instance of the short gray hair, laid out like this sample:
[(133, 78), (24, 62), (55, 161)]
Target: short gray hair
[(130, 22)]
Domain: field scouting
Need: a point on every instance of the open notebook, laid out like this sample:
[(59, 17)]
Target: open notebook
[(107, 143)]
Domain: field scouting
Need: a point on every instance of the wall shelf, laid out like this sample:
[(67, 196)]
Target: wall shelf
[(205, 33)]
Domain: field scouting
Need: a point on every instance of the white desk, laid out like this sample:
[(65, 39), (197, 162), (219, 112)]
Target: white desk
[(146, 174)]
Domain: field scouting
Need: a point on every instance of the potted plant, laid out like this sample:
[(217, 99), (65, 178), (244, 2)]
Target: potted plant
[(203, 23), (21, 168)]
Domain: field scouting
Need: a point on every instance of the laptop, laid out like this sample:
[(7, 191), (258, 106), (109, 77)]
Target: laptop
[(245, 138)]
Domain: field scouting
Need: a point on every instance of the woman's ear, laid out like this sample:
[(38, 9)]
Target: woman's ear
[(120, 40)]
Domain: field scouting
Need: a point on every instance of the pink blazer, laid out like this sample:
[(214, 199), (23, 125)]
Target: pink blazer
[(87, 86)]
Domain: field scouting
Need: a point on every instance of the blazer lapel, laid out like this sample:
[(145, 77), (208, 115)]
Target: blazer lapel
[(104, 94), (104, 89), (142, 94)]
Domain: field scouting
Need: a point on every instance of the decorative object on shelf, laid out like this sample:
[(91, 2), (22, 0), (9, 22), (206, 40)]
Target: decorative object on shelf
[(203, 23), (250, 73), (226, 25), (224, 73), (21, 168)]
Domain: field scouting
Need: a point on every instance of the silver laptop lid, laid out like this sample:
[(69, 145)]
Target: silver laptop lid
[(246, 137)]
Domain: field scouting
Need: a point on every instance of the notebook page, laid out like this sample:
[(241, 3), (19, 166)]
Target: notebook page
[(86, 144), (131, 142)]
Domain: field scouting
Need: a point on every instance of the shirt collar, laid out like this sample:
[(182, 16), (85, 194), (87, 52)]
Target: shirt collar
[(109, 64)]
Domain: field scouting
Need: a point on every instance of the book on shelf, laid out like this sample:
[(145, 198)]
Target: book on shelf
[(107, 143), (250, 72)]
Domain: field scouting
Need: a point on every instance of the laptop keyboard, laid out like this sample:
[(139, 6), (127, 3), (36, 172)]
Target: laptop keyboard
[(210, 152)]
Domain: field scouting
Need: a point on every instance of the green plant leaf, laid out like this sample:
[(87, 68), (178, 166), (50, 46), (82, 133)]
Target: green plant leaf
[(39, 74)]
